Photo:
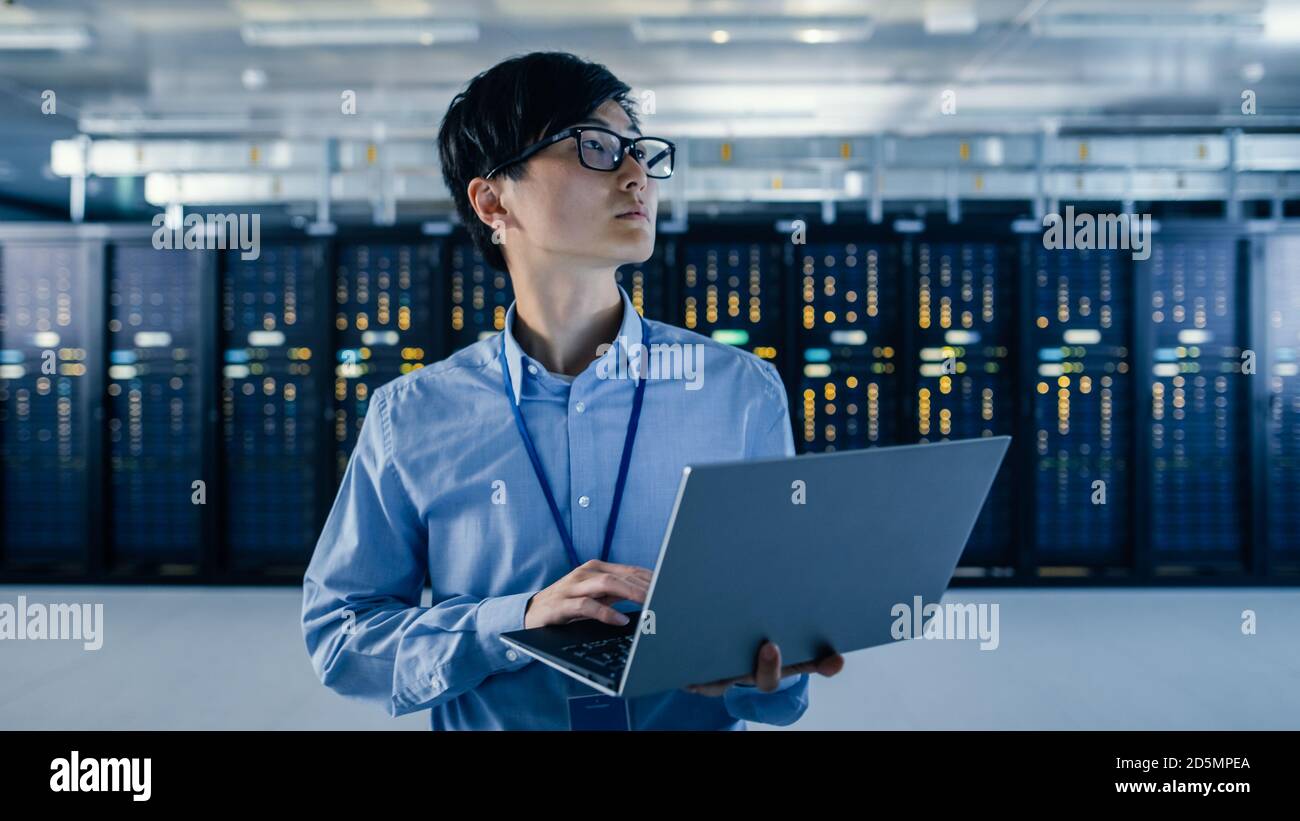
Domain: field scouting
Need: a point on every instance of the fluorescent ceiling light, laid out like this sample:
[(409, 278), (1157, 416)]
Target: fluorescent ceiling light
[(67, 158), (31, 38), (753, 29), (818, 36), (1282, 21), (286, 10), (253, 78), (95, 122), (950, 17), (1120, 24), (360, 33)]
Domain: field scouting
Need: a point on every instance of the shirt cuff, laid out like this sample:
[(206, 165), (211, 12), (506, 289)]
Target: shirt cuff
[(781, 707), (497, 615)]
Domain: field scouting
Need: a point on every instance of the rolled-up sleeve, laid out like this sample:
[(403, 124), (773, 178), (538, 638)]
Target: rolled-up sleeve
[(366, 632), (786, 704)]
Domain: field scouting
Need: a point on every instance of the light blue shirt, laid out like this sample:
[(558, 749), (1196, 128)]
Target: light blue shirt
[(440, 485)]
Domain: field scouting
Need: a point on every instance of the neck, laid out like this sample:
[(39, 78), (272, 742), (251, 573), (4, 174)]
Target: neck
[(563, 322)]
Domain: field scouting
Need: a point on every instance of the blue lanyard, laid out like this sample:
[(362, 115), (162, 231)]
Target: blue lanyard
[(623, 464)]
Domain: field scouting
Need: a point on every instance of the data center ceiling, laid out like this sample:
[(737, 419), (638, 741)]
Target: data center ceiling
[(150, 69)]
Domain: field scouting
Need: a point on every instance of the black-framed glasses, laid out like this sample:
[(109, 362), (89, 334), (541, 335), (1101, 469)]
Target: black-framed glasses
[(602, 150)]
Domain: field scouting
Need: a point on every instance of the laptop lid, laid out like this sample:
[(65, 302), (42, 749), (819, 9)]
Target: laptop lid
[(811, 552)]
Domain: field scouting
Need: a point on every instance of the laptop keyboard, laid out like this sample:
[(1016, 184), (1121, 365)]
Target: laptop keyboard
[(608, 654)]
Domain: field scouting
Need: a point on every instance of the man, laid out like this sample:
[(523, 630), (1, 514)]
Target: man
[(496, 471)]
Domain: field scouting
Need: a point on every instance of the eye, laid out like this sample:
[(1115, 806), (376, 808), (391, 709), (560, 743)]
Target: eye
[(593, 144)]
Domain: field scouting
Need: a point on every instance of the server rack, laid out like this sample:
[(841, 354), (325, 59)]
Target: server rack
[(1277, 394), (478, 295), (728, 286), (385, 322), (960, 334), (162, 488), (1194, 455), (276, 403), (1261, 449), (1077, 375), (847, 293), (51, 377)]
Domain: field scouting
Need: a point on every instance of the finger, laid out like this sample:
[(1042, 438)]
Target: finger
[(640, 582), (585, 608), (595, 569), (635, 582), (767, 672), (643, 574), (826, 666), (605, 584), (830, 665), (797, 669)]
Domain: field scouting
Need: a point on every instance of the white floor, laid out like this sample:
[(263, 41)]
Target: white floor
[(233, 658)]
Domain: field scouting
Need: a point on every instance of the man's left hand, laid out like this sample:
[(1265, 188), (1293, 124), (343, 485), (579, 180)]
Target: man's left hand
[(768, 672)]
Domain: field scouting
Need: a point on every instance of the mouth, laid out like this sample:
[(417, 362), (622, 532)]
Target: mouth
[(633, 215)]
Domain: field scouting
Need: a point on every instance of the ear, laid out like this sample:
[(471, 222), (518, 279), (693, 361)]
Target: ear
[(486, 202)]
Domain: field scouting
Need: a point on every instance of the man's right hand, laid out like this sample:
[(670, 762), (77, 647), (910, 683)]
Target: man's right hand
[(587, 593)]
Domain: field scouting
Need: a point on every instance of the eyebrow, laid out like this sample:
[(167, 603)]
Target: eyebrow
[(601, 121)]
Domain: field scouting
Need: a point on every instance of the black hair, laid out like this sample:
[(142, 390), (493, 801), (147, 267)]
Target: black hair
[(506, 109)]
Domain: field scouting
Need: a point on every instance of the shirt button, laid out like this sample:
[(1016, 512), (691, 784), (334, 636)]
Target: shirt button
[(512, 655), (583, 501), (580, 407), (532, 369)]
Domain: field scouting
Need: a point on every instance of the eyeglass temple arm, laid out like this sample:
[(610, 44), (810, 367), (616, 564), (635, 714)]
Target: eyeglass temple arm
[(533, 149), (657, 157)]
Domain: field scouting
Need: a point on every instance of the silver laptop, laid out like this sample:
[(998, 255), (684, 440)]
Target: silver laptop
[(811, 552)]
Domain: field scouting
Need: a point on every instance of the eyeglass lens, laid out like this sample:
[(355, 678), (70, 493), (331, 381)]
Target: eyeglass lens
[(599, 150)]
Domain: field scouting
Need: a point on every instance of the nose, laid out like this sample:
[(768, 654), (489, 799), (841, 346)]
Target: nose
[(631, 172)]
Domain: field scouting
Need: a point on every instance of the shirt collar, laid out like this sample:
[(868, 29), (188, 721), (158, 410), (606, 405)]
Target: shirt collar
[(629, 332)]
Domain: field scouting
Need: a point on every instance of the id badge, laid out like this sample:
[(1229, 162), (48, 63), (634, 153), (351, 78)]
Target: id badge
[(598, 712)]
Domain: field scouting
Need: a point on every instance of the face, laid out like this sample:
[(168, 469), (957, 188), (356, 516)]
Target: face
[(564, 214)]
